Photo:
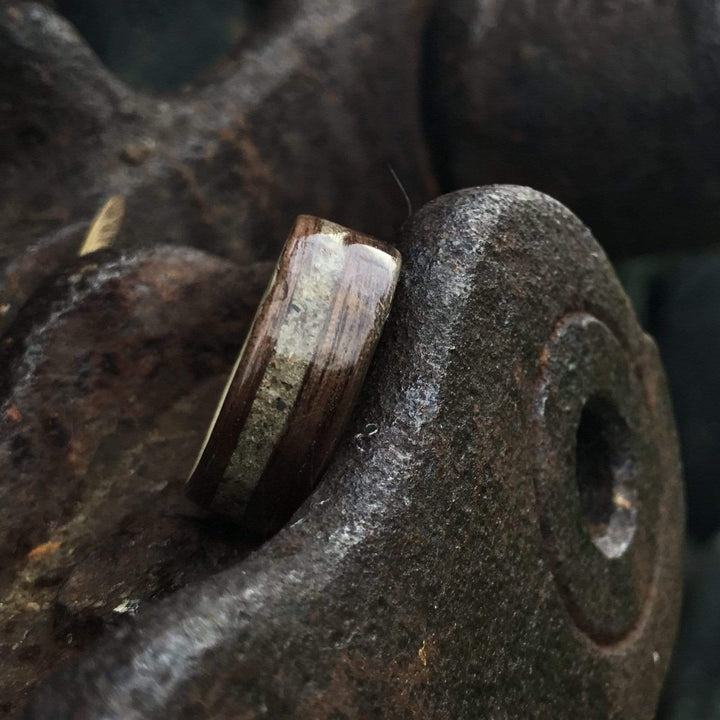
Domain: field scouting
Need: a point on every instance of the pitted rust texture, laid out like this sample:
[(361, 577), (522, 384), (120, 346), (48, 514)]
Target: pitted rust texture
[(112, 370), (417, 580), (611, 107), (25, 272), (302, 119)]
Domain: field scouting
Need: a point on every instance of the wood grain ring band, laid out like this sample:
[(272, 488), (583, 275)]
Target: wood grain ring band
[(297, 376)]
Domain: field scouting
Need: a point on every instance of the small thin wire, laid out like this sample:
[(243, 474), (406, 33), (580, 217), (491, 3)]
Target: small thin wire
[(402, 190)]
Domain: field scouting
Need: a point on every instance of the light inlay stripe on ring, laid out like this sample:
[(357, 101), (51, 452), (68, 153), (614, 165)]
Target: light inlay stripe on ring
[(295, 346), (293, 386)]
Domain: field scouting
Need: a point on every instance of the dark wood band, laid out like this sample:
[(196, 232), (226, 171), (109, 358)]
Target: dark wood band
[(297, 377)]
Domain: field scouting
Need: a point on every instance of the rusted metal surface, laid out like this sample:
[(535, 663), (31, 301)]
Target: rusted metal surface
[(438, 570), (305, 119), (111, 372), (611, 107)]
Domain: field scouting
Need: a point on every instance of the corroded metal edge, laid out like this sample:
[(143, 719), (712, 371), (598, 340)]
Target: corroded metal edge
[(414, 580)]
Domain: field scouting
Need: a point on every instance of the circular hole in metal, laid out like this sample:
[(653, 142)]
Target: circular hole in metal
[(606, 473)]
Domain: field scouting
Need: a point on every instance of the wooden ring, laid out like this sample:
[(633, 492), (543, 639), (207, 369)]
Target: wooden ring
[(296, 379)]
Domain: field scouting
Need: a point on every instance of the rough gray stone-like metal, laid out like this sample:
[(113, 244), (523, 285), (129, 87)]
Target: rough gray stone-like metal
[(417, 581)]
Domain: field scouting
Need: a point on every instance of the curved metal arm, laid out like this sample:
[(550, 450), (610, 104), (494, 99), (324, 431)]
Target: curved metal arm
[(422, 578)]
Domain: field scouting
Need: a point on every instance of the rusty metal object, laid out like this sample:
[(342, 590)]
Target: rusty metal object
[(111, 373), (304, 120), (611, 107), (429, 573), (379, 587), (21, 275)]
